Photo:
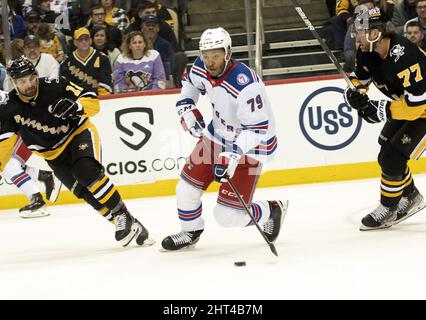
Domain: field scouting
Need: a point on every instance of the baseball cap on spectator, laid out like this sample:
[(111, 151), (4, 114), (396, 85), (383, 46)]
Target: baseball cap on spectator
[(32, 16), (150, 19), (31, 39), (81, 32)]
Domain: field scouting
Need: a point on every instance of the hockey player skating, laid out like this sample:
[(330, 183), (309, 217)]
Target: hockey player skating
[(26, 178), (398, 69), (52, 118), (240, 137)]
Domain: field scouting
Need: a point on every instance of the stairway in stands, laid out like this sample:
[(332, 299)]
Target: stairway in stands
[(290, 51)]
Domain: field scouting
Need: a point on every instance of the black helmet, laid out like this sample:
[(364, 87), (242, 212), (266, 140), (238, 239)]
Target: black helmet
[(20, 67), (370, 18)]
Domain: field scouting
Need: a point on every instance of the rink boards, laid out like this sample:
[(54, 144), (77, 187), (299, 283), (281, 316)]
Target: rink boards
[(319, 139)]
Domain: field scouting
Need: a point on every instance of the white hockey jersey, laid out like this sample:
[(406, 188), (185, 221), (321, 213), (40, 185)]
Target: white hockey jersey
[(242, 119)]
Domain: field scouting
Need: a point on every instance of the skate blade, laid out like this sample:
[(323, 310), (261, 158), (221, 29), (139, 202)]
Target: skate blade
[(43, 212), (56, 190), (284, 208), (365, 228), (419, 207), (191, 246), (132, 234), (147, 243)]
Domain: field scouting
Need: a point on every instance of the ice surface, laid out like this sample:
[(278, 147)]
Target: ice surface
[(72, 254)]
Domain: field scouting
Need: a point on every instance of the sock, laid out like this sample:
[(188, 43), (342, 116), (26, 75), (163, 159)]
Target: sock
[(14, 172), (106, 194), (409, 184), (260, 211)]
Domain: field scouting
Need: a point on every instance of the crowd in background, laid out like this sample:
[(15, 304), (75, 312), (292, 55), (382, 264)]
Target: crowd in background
[(406, 17), (110, 46)]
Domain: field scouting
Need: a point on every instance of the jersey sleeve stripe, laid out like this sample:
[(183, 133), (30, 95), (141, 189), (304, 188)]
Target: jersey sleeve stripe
[(6, 136), (413, 100)]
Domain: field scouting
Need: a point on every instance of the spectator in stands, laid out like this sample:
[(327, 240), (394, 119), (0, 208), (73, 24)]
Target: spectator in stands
[(86, 66), (102, 43), (331, 7), (44, 63), (150, 29), (138, 68), (85, 10), (32, 23), (97, 18), (126, 5), (16, 24), (163, 13), (340, 22), (415, 33), (17, 48), (46, 14), (147, 8), (114, 16), (404, 10), (421, 15), (50, 43)]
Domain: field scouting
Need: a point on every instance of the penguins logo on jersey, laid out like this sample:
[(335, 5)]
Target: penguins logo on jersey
[(146, 134), (397, 51)]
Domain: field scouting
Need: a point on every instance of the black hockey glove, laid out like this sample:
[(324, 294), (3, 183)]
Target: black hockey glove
[(375, 111), (66, 108), (355, 99)]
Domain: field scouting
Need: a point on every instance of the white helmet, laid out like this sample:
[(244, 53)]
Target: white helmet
[(215, 39)]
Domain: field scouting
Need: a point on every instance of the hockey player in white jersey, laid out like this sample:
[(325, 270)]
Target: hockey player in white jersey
[(240, 137)]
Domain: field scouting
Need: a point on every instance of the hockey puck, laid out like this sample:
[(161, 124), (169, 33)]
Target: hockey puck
[(240, 263)]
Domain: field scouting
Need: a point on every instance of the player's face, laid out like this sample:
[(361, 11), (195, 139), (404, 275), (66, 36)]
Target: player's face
[(214, 60), (361, 38), (27, 86), (415, 35)]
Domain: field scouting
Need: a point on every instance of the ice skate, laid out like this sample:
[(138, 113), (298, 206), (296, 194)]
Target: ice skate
[(272, 227), (409, 205), (142, 235), (183, 239), (35, 209), (125, 226), (381, 218), (53, 184)]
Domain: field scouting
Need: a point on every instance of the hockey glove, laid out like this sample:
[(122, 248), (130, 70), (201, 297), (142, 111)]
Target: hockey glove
[(375, 111), (355, 99), (66, 108), (190, 118), (227, 164)]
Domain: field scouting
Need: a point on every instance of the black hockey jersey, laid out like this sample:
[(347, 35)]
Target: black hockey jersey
[(400, 76), (42, 132), (93, 72)]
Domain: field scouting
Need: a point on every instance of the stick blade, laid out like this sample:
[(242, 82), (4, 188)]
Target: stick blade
[(273, 249)]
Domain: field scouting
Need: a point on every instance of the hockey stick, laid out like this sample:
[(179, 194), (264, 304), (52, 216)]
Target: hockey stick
[(322, 43), (240, 198)]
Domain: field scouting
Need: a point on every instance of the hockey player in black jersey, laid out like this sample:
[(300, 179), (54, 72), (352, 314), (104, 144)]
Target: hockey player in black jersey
[(398, 69), (52, 118)]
